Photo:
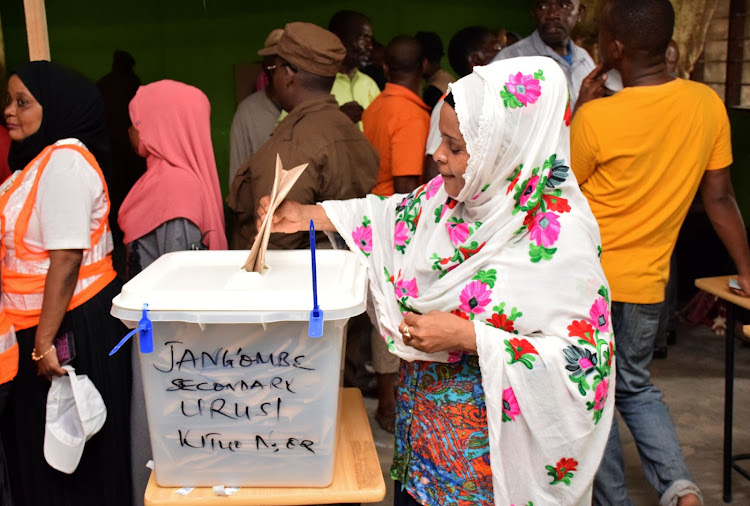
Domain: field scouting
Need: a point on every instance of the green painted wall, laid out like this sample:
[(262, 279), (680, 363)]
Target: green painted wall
[(199, 41)]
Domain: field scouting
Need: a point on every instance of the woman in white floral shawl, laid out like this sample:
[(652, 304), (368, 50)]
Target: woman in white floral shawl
[(486, 282)]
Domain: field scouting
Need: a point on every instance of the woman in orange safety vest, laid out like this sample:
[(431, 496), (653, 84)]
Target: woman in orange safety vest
[(58, 283)]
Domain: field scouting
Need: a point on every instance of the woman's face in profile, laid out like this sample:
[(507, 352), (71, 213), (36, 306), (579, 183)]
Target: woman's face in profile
[(451, 157), (23, 113)]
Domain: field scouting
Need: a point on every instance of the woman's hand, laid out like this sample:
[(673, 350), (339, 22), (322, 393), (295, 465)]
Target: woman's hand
[(292, 217), (49, 366), (744, 290), (287, 218), (59, 286), (438, 331)]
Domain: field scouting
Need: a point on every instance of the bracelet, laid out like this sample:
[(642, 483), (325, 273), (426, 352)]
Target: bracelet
[(37, 358)]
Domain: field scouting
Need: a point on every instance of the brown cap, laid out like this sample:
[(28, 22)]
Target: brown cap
[(310, 48), (273, 38)]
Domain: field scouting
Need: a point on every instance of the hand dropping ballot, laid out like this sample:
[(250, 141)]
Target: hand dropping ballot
[(282, 183)]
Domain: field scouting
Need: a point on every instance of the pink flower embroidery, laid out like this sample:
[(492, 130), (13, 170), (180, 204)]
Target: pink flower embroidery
[(458, 232), (599, 315), (474, 297), (529, 190), (510, 405), (406, 288), (544, 229), (433, 186), (454, 356), (525, 88), (363, 237), (401, 234), (585, 363), (600, 395)]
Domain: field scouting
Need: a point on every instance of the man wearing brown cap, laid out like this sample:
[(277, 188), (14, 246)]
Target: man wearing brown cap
[(255, 118), (342, 163)]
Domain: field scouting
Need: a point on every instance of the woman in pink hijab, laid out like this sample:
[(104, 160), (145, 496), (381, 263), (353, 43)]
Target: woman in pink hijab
[(176, 205)]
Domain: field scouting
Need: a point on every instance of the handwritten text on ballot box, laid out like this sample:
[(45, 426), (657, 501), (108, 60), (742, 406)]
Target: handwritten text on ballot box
[(246, 404)]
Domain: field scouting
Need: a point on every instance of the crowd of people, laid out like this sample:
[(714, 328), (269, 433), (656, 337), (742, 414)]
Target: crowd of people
[(517, 225)]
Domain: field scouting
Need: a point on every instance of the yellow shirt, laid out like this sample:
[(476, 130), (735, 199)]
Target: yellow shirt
[(639, 157), (361, 88)]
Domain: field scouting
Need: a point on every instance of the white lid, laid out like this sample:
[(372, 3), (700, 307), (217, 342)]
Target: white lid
[(212, 287)]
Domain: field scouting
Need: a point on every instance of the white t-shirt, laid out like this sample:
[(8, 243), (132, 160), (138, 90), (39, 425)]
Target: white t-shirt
[(70, 202), (434, 138)]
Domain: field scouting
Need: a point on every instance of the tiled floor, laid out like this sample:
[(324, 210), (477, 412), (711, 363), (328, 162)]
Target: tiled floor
[(692, 379)]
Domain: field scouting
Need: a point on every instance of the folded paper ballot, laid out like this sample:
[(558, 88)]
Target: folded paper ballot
[(282, 183)]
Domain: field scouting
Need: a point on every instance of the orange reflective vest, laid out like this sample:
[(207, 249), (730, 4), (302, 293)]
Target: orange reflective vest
[(24, 272), (8, 350)]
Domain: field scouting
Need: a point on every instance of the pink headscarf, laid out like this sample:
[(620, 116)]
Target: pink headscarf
[(172, 120)]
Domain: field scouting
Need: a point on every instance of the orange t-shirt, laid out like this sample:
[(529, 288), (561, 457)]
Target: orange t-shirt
[(639, 157), (397, 123)]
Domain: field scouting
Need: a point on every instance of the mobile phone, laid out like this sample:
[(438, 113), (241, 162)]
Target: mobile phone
[(733, 283), (65, 347)]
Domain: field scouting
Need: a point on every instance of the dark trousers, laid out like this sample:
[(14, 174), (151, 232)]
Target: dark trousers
[(401, 497), (5, 497)]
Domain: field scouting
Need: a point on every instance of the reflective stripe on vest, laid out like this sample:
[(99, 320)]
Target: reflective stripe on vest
[(8, 350), (24, 271)]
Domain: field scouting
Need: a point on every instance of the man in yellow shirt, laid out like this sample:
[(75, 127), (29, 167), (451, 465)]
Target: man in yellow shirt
[(640, 156), (354, 90)]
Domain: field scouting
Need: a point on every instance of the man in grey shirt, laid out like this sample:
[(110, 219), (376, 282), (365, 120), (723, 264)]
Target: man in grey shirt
[(555, 19), (255, 118)]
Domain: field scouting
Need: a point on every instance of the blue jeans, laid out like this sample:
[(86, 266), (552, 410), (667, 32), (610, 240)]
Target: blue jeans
[(641, 407)]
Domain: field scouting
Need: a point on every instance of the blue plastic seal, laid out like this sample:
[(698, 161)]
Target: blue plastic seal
[(146, 334), (315, 328)]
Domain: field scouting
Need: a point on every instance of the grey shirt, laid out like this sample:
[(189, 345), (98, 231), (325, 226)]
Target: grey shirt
[(252, 125), (533, 45)]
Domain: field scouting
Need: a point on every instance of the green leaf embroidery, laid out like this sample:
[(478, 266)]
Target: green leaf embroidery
[(488, 277), (539, 74), (604, 293), (539, 253), (509, 99)]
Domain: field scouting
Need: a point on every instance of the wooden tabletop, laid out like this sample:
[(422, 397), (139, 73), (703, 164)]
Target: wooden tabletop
[(719, 286), (357, 477)]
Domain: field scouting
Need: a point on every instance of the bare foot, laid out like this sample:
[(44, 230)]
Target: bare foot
[(689, 500)]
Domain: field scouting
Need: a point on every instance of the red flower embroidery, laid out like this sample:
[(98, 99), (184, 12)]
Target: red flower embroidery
[(468, 253), (565, 466), (568, 114), (513, 183), (521, 347), (416, 220), (460, 313), (562, 472), (501, 321), (582, 329), (557, 204)]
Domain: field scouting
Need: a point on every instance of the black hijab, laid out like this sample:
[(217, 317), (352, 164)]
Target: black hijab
[(71, 107)]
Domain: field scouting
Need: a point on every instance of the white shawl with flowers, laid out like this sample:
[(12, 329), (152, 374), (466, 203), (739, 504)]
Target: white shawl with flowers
[(517, 252)]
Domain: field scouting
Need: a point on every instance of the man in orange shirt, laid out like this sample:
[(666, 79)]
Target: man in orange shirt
[(396, 123), (640, 156)]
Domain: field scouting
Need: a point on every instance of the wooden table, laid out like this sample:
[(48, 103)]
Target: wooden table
[(357, 477), (719, 287)]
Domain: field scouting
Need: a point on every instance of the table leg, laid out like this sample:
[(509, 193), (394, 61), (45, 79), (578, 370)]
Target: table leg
[(728, 401)]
